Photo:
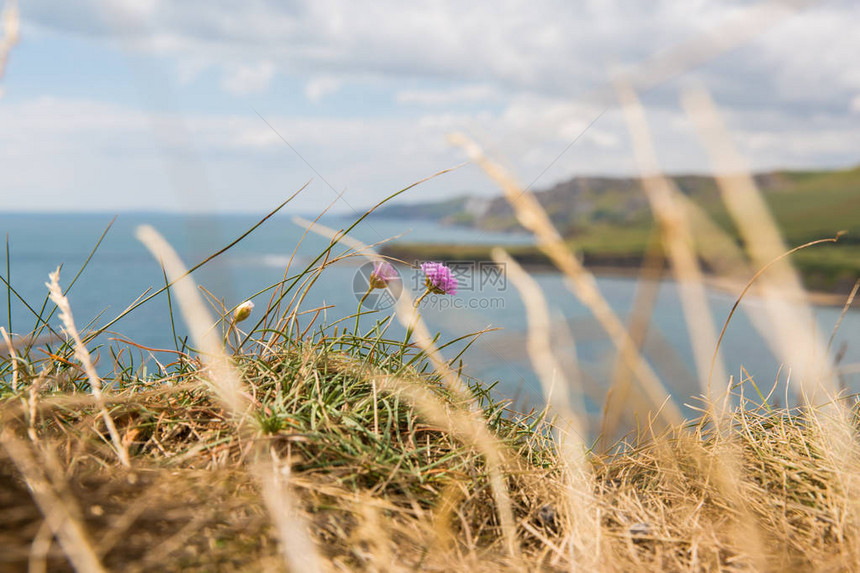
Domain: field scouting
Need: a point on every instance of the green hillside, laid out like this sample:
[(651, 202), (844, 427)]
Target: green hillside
[(609, 221)]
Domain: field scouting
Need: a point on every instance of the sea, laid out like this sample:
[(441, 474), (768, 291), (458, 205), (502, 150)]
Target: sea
[(121, 271)]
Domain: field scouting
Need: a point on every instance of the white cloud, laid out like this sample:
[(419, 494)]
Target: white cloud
[(540, 45), (481, 93), (319, 87), (790, 94), (244, 80), (188, 70), (86, 155), (256, 137)]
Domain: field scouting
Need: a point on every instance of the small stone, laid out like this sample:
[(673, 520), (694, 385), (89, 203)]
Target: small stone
[(546, 516), (640, 530)]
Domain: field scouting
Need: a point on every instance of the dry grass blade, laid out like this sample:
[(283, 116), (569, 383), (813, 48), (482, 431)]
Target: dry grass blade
[(729, 263), (848, 302), (555, 382), (83, 355), (412, 321), (678, 243), (225, 380), (59, 517), (787, 307), (299, 551), (714, 245), (571, 434), (13, 356), (38, 561), (801, 347), (533, 217), (619, 393), (756, 277), (35, 388)]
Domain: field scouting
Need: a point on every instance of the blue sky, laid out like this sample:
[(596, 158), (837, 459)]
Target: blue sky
[(153, 105)]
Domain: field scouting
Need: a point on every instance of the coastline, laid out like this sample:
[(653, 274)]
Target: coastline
[(616, 265)]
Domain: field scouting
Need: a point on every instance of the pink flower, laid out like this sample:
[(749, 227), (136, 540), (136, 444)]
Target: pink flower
[(439, 279), (383, 273)]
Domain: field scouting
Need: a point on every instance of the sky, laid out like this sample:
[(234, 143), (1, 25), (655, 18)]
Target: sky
[(204, 106)]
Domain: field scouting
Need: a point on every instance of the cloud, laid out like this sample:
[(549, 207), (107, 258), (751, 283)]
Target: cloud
[(83, 155), (319, 87), (802, 53), (481, 93), (526, 78), (541, 45), (89, 155), (244, 80)]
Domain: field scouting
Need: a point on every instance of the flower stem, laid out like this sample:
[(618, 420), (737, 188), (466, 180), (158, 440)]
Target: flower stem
[(420, 298), (411, 326), (358, 312)]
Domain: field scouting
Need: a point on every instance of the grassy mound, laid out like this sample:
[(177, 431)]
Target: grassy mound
[(383, 489), (186, 501)]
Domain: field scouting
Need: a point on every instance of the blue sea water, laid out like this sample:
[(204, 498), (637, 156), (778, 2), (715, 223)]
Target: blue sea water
[(121, 270)]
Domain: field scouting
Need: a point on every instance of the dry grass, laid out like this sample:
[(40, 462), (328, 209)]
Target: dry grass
[(581, 282), (414, 496)]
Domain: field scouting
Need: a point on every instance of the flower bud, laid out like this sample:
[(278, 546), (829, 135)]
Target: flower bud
[(383, 273), (243, 311)]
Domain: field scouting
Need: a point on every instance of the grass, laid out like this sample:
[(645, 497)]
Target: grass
[(310, 404), (383, 489)]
